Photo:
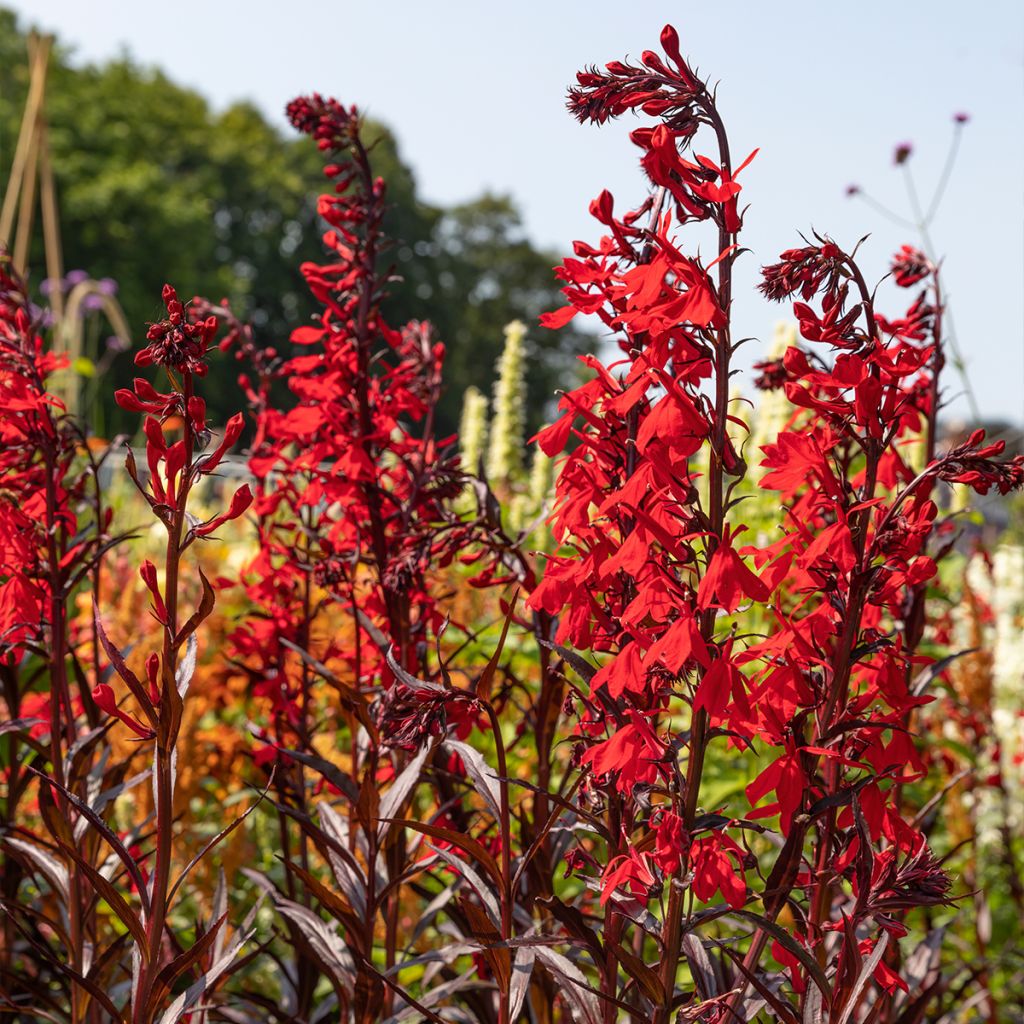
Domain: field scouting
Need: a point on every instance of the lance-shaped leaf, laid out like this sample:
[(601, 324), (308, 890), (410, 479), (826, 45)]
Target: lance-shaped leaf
[(184, 962), (113, 899), (131, 680), (575, 923), (445, 957), (480, 772), (647, 979), (792, 946), (51, 867), (426, 918), (784, 870), (334, 903), (104, 830), (701, 968), (921, 965), (392, 801), (522, 969), (927, 675), (813, 1012), (195, 620), (576, 990), (348, 872), (104, 798), (325, 943), (187, 666), (447, 835), (483, 685), (583, 667), (866, 971), (766, 987), (19, 725), (486, 894), (334, 775), (351, 699), (218, 838), (488, 937), (422, 1006), (195, 992)]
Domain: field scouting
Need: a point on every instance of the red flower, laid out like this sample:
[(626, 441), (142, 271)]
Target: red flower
[(632, 754), (728, 580), (630, 872), (717, 867), (671, 843), (103, 697), (240, 501), (148, 573)]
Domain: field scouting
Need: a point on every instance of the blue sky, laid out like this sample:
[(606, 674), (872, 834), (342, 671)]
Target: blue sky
[(475, 93)]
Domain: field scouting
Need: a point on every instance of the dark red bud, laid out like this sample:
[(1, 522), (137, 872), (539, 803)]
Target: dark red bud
[(103, 698), (128, 401), (153, 674)]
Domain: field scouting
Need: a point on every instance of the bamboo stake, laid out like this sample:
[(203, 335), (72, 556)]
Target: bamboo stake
[(39, 55), (51, 223)]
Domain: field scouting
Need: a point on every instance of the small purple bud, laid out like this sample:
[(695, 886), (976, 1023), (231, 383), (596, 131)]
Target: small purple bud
[(43, 316), (902, 153)]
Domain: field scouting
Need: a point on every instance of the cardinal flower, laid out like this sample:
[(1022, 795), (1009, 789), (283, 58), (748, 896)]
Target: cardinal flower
[(632, 753), (630, 872), (728, 580)]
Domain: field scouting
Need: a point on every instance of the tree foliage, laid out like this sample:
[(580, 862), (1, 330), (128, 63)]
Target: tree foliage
[(155, 184)]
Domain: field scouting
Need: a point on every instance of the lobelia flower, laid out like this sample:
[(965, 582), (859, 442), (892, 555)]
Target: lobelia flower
[(103, 697), (631, 873)]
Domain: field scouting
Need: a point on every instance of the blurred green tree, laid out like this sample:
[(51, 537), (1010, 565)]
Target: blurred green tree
[(153, 186)]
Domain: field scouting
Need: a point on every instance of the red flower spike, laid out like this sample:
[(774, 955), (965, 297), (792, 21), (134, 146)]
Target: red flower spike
[(177, 342)]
